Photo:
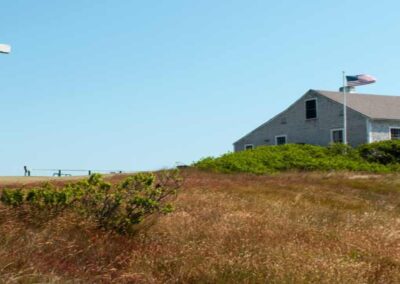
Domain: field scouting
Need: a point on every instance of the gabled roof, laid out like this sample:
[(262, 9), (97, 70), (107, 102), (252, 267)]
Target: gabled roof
[(373, 106)]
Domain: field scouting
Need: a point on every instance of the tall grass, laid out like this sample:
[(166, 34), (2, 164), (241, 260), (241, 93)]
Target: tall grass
[(241, 228)]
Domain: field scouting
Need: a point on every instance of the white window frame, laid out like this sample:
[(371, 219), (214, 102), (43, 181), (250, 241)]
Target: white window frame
[(369, 131), (390, 131), (247, 145), (316, 108), (337, 129), (280, 136)]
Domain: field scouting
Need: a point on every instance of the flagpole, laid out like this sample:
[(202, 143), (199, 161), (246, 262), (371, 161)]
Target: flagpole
[(344, 110)]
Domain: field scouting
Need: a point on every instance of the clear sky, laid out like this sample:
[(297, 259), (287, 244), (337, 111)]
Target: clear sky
[(138, 85)]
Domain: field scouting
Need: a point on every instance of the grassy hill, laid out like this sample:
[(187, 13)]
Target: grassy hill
[(289, 227)]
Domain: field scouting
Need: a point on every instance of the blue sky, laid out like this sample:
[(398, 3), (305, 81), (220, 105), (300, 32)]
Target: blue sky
[(137, 85)]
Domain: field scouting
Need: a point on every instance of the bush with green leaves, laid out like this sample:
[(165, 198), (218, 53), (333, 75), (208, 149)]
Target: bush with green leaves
[(384, 152), (117, 207), (270, 159), (127, 204), (13, 198)]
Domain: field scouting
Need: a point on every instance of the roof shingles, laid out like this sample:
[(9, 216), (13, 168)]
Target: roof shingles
[(373, 106)]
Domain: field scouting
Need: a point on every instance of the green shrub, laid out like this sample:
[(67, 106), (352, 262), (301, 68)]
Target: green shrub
[(384, 152), (127, 204), (12, 197), (269, 159), (340, 149), (113, 207)]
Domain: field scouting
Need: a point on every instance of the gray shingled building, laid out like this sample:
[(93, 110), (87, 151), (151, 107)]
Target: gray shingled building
[(317, 118)]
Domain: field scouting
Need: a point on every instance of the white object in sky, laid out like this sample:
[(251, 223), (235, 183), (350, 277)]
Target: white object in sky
[(5, 48)]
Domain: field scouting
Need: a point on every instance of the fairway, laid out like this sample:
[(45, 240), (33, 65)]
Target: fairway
[(6, 181), (17, 181)]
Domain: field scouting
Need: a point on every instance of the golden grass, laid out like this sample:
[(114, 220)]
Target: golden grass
[(292, 227)]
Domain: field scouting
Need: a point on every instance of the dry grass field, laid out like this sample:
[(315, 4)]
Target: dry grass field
[(286, 228), (11, 181)]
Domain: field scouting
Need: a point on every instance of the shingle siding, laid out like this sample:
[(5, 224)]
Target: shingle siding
[(292, 122), (380, 129)]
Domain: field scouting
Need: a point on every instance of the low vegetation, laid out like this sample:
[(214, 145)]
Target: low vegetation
[(226, 228), (385, 152), (117, 207), (230, 224), (380, 157)]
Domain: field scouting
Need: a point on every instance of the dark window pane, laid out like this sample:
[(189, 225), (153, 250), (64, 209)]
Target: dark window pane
[(337, 136), (280, 140), (395, 133), (311, 109), (248, 147)]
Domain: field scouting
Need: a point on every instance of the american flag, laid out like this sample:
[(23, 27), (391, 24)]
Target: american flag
[(359, 80), (5, 48)]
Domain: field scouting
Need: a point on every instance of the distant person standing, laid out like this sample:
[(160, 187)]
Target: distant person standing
[(26, 171)]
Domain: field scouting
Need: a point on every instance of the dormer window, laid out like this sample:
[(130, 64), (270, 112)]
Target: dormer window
[(311, 108)]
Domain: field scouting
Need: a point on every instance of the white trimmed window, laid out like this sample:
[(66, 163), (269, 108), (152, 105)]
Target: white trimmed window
[(395, 133), (280, 140), (311, 108), (248, 146), (337, 135)]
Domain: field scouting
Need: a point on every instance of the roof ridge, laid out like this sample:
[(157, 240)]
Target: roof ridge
[(363, 94)]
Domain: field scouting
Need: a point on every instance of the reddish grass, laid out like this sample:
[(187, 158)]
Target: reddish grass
[(291, 227)]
